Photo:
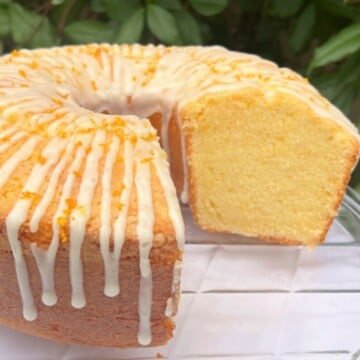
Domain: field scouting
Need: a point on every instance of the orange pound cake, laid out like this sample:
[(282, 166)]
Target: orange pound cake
[(91, 230)]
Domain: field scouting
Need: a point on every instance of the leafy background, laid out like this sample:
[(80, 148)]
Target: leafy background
[(318, 38)]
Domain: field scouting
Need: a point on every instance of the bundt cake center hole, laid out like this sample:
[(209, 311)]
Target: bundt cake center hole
[(111, 105), (109, 108)]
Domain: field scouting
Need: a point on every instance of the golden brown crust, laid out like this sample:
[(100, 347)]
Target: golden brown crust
[(104, 321), (112, 322)]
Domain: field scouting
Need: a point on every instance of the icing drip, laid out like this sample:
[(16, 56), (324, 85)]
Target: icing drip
[(111, 260), (80, 216), (174, 210), (45, 259), (111, 266), (171, 301), (105, 219), (29, 310), (145, 235), (22, 154), (13, 140), (6, 133), (47, 262), (17, 217)]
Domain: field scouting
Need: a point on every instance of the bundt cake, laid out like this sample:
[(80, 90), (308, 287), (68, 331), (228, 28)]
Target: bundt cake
[(91, 229)]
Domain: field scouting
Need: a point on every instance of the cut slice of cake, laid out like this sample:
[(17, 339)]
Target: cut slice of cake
[(267, 164)]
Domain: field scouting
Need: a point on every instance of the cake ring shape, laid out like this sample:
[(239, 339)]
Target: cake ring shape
[(90, 219)]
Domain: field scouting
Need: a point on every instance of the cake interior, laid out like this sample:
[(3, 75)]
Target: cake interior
[(265, 167)]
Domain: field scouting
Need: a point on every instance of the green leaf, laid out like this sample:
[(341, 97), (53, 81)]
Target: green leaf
[(283, 9), (168, 4), (67, 12), (339, 9), (327, 85), (88, 31), (97, 6), (303, 28), (162, 24), (29, 28), (209, 7), (249, 5), (344, 43), (4, 21), (342, 85), (121, 10), (131, 30), (57, 2), (344, 100), (189, 28)]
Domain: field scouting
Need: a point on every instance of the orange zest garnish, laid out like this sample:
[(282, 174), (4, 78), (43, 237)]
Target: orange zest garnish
[(70, 203), (57, 101), (29, 195), (41, 159), (93, 85), (33, 65), (119, 121), (22, 73), (146, 160), (119, 191), (62, 221), (77, 173), (120, 206)]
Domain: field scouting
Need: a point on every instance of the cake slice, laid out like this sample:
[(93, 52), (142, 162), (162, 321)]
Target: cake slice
[(270, 161)]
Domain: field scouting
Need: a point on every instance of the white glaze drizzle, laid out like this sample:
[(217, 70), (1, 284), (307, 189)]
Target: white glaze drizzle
[(17, 217), (111, 262), (80, 216), (171, 309), (145, 236), (112, 285), (50, 190), (14, 139), (7, 132), (48, 261), (11, 164), (45, 259), (162, 169)]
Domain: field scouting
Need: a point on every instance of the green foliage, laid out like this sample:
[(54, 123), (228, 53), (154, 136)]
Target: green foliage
[(4, 21), (209, 7), (318, 38), (131, 29), (86, 31), (303, 28), (344, 43), (30, 29), (285, 9), (162, 24)]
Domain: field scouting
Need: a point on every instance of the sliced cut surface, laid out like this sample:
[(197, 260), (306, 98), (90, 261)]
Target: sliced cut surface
[(266, 166)]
